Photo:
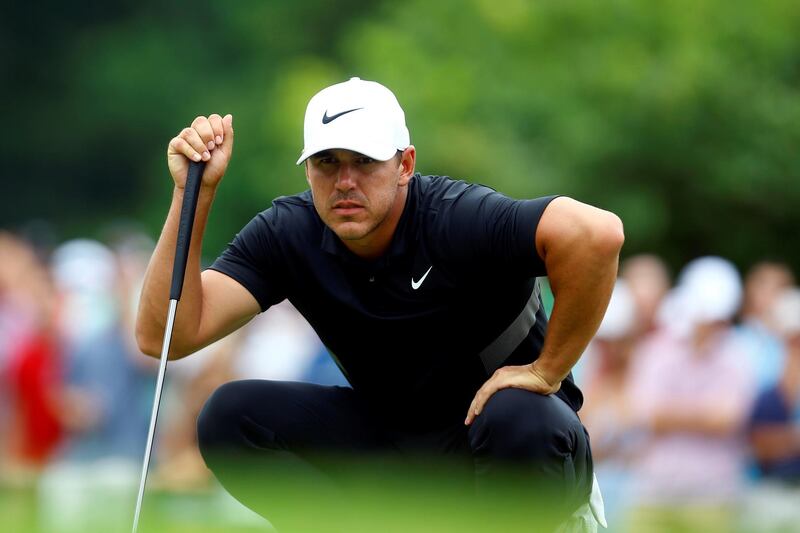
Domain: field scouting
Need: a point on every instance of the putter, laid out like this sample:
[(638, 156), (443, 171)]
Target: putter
[(188, 208)]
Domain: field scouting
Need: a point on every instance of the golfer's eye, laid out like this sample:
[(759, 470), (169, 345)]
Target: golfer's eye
[(365, 160), (326, 161)]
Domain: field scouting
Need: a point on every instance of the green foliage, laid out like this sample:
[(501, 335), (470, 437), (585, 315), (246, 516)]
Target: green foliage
[(679, 116), (682, 117)]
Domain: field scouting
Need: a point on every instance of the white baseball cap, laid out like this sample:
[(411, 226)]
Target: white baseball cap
[(713, 289), (709, 289), (620, 315), (358, 115)]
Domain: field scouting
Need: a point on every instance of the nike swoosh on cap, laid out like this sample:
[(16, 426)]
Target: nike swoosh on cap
[(326, 119)]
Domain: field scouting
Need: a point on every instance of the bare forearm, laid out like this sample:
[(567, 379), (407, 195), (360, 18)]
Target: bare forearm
[(582, 269), (154, 302), (580, 246), (776, 442), (718, 423)]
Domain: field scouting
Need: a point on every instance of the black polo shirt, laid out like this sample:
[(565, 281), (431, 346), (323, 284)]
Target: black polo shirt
[(419, 330)]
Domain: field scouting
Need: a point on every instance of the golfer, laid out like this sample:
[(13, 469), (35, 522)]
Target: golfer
[(423, 288)]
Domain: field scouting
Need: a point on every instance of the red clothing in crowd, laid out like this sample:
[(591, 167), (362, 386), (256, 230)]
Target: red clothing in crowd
[(35, 381)]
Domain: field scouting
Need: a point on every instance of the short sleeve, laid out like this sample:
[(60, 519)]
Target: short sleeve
[(768, 409), (486, 226), (254, 259)]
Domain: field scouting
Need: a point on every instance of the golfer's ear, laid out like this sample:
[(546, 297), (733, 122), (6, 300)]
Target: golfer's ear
[(407, 163), (305, 168)]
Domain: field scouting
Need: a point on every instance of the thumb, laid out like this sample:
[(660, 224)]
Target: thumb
[(227, 128)]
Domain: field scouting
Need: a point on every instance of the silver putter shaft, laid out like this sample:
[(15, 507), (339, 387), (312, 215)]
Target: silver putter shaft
[(188, 208)]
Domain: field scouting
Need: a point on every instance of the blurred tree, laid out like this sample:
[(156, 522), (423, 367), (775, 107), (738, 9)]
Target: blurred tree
[(98, 91), (682, 117)]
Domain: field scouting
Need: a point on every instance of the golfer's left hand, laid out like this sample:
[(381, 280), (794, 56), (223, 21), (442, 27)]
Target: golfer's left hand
[(526, 377)]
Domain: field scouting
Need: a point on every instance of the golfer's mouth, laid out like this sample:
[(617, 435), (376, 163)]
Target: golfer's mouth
[(347, 207)]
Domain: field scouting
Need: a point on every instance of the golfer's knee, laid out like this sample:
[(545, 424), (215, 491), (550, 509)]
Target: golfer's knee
[(218, 421), (231, 421), (519, 424)]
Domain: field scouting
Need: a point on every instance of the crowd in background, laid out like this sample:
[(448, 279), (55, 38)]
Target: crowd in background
[(692, 386), (76, 393), (693, 398)]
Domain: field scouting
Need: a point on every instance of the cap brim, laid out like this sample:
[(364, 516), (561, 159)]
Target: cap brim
[(379, 154)]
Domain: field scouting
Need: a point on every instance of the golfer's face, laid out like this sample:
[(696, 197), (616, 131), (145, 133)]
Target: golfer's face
[(353, 193)]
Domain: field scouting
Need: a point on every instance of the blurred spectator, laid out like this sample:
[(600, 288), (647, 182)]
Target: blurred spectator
[(646, 283), (132, 250), (281, 345), (178, 463), (648, 280), (763, 283), (606, 411), (691, 389), (106, 392), (35, 382), (278, 344), (775, 430), (33, 358), (775, 424), (10, 329)]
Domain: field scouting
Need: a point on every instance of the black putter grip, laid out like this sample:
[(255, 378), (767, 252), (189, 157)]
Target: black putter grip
[(190, 193)]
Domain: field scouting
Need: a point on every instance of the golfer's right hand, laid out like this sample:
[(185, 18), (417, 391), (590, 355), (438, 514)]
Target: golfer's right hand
[(208, 139)]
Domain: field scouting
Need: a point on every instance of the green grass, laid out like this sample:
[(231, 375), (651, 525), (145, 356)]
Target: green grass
[(372, 496)]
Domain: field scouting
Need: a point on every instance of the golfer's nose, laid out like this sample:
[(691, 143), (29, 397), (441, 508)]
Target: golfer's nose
[(345, 179)]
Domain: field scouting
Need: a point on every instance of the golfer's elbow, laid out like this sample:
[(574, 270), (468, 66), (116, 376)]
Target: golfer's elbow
[(147, 339), (574, 229), (608, 234), (150, 341), (598, 232), (147, 344)]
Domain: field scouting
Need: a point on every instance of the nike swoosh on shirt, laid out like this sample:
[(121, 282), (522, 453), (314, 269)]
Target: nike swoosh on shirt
[(326, 119), (416, 284)]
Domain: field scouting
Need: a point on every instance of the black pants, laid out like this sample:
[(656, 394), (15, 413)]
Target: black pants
[(253, 432)]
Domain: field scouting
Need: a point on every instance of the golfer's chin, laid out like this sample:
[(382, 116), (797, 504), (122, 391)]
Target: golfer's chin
[(350, 230)]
